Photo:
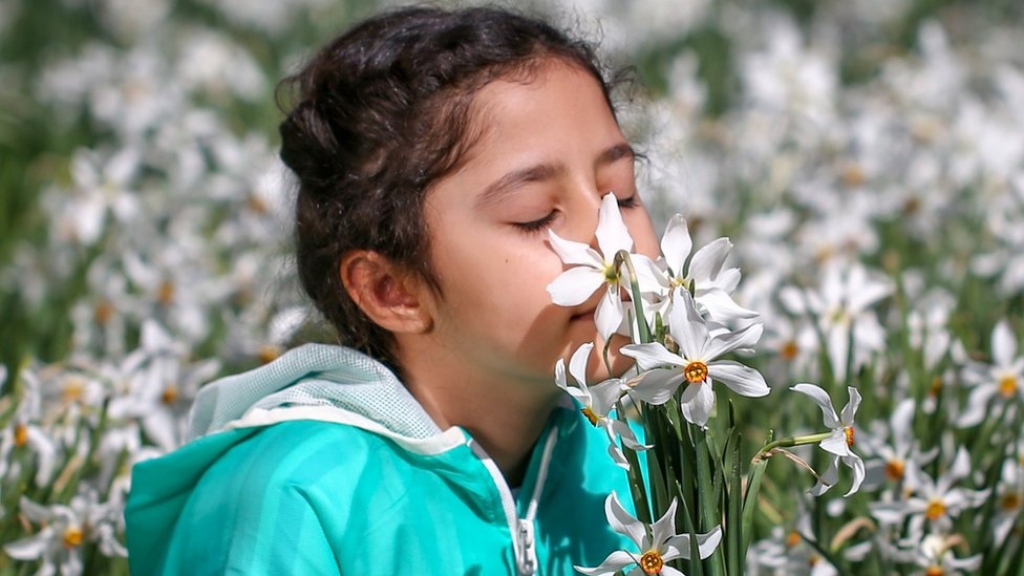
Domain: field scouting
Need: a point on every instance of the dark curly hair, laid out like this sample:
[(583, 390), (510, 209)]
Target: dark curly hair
[(381, 113)]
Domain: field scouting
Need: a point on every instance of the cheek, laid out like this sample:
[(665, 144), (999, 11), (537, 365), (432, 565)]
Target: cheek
[(642, 230)]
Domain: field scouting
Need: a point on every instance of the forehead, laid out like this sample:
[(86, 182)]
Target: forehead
[(538, 107)]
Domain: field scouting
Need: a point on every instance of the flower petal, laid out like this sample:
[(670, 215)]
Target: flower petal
[(676, 244), (578, 363), (609, 314), (656, 386), (823, 401), (697, 402), (707, 262), (686, 326), (664, 528), (850, 410), (652, 355), (575, 286), (575, 253), (621, 521), (612, 234), (613, 563), (1004, 345), (743, 380)]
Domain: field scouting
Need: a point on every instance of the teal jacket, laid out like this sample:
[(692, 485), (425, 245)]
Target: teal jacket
[(322, 463)]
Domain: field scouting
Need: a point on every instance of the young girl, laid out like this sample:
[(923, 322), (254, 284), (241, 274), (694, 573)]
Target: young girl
[(434, 150)]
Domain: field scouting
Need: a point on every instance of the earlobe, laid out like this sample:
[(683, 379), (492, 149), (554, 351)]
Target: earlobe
[(390, 297)]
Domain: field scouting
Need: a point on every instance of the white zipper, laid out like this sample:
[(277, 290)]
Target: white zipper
[(522, 529)]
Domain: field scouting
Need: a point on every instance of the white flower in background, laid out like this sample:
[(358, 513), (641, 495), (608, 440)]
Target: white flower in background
[(840, 443), (696, 364), (1005, 219), (593, 270), (1002, 380), (841, 306), (1009, 495), (892, 459), (211, 62), (935, 502), (598, 400), (102, 184), (935, 555), (789, 76), (702, 274), (64, 530), (654, 550), (161, 386)]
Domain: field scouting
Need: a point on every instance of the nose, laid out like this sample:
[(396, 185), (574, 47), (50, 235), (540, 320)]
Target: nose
[(584, 210)]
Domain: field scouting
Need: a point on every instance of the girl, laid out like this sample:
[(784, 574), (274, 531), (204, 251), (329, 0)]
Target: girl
[(434, 150)]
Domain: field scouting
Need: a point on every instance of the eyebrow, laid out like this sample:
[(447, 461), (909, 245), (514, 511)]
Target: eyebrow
[(545, 171)]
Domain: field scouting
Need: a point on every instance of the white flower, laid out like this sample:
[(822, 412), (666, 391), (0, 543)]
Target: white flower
[(64, 529), (662, 545), (843, 306), (695, 364), (840, 442), (936, 502), (703, 276), (593, 269), (1004, 377), (598, 401)]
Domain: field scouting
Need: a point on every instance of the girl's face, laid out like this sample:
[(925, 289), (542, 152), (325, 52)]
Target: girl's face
[(549, 150)]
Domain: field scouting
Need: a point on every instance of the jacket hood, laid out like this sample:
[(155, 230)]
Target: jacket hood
[(309, 376)]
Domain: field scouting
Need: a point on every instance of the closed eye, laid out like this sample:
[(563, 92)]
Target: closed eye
[(536, 225)]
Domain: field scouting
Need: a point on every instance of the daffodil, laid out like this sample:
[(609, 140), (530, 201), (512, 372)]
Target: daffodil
[(656, 547), (593, 270), (598, 401), (696, 364), (840, 442)]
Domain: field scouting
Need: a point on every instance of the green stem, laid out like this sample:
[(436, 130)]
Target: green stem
[(622, 257)]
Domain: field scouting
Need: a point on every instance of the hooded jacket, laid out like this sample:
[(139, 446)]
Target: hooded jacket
[(321, 462)]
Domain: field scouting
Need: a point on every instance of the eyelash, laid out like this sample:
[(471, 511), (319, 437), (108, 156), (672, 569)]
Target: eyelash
[(538, 225)]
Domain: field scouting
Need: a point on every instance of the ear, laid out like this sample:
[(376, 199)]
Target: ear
[(394, 299)]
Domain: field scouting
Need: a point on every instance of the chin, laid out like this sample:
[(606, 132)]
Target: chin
[(598, 371)]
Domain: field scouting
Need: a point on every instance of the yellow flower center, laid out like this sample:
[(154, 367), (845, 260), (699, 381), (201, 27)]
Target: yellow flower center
[(936, 509), (934, 571), (268, 353), (894, 470), (1008, 386), (165, 294), (73, 389), (789, 350), (611, 275), (73, 536), (792, 539), (651, 562), (169, 396), (20, 435), (849, 436), (103, 312), (696, 372), (591, 415), (935, 388), (1010, 501)]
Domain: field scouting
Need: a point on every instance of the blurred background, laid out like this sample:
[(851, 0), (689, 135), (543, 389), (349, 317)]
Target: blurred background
[(144, 216)]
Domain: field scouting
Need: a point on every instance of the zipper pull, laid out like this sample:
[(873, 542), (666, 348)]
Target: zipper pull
[(527, 561)]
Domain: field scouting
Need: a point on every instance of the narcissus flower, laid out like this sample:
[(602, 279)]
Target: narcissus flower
[(597, 400), (593, 270), (656, 547), (840, 442), (696, 364)]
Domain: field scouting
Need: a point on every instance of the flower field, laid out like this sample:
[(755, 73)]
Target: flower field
[(865, 159)]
